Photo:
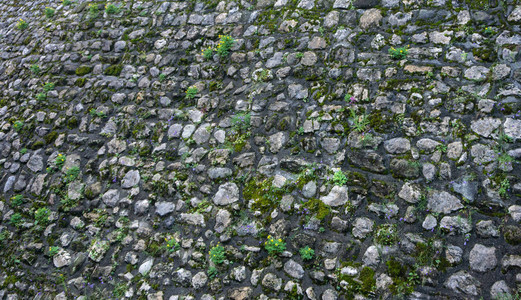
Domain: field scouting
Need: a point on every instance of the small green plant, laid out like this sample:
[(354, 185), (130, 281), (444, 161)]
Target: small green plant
[(111, 9), (49, 12), (442, 148), (68, 203), (191, 92), (162, 77), (172, 245), (119, 290), (66, 2), (225, 44), (299, 55), (504, 187), (306, 253), (48, 86), (23, 151), (41, 216), (488, 31), (241, 122), (41, 96), (217, 254), (94, 113), (60, 160), (207, 53), (16, 220), (17, 200), (360, 123), (339, 178), (53, 250), (35, 69), (398, 53), (274, 246), (212, 272), (71, 174), (18, 125), (93, 11), (22, 25), (386, 234)]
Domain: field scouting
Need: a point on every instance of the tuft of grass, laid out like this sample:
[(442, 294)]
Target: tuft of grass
[(360, 123)]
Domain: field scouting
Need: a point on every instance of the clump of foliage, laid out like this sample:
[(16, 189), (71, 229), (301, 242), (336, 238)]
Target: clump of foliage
[(307, 253), (225, 44), (207, 53), (53, 250), (386, 234), (60, 160), (71, 174), (398, 53), (241, 122), (41, 216), (35, 69), (212, 272), (504, 187), (48, 86), (49, 12), (17, 200), (274, 246), (111, 9), (16, 220), (21, 24), (217, 254), (172, 245), (191, 92), (360, 123), (93, 11), (41, 96), (18, 125), (339, 178)]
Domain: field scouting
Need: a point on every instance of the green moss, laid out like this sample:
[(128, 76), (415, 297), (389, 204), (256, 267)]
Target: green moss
[(485, 54), (50, 137), (265, 196), (512, 234), (114, 70), (80, 82), (72, 122), (37, 145), (368, 280), (83, 70), (317, 207), (145, 151)]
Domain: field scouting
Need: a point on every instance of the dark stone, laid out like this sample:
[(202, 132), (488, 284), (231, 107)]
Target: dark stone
[(368, 160), (365, 3), (302, 240), (404, 168)]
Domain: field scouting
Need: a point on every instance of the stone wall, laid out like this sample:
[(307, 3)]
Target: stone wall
[(288, 149)]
